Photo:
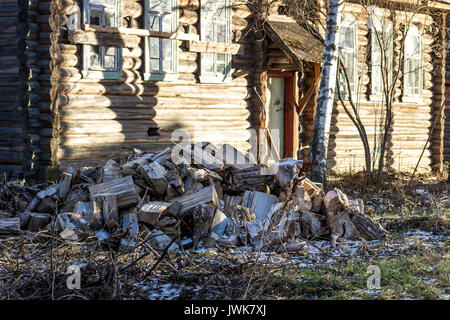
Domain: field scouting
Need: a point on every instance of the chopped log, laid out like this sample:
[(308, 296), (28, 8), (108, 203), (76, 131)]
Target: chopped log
[(9, 225), (260, 203), (311, 225), (151, 211), (253, 178), (24, 219), (301, 200), (64, 185), (335, 201), (312, 188), (130, 225), (207, 195), (369, 229), (230, 202), (203, 219), (285, 170), (156, 176), (232, 158), (38, 221), (111, 171), (219, 223), (123, 189), (110, 213), (341, 227)]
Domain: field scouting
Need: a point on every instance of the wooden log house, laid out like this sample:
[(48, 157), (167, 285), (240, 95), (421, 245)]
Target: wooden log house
[(83, 81)]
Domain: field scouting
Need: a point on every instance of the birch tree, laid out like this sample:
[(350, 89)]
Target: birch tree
[(320, 136)]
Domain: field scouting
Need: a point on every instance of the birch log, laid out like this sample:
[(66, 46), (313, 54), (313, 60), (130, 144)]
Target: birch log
[(322, 121)]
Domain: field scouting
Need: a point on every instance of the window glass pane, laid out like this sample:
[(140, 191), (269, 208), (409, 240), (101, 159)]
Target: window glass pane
[(346, 39), (154, 23), (94, 57), (208, 62), (209, 32), (110, 62), (221, 32), (95, 17), (167, 23), (155, 5), (167, 48), (167, 65), (155, 64), (154, 47)]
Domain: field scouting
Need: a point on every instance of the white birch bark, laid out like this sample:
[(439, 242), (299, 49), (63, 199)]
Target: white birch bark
[(320, 136)]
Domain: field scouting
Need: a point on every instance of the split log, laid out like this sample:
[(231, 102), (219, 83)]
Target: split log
[(203, 219), (156, 176), (369, 229), (151, 212), (260, 203), (335, 201), (9, 225), (108, 205), (207, 195), (311, 225), (64, 185), (123, 188), (111, 171), (253, 178), (38, 221), (301, 200), (130, 225), (341, 227)]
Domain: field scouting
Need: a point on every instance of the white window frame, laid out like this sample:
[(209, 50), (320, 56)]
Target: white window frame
[(408, 95), (350, 21), (384, 28), (161, 75), (104, 73), (215, 77)]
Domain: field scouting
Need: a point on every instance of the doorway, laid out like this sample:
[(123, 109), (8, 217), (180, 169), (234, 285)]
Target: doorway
[(282, 119)]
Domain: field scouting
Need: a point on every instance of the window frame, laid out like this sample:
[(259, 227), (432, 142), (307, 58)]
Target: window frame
[(408, 96), (350, 21), (115, 73), (161, 75), (379, 25), (215, 77)]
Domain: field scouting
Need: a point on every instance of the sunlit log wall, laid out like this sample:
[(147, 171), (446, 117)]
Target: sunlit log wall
[(412, 121), (90, 121)]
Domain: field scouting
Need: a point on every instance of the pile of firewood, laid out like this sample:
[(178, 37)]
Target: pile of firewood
[(204, 199)]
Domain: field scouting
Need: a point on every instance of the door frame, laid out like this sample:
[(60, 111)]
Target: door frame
[(290, 133)]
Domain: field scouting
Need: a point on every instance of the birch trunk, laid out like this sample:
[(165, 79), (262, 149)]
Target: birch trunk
[(319, 141)]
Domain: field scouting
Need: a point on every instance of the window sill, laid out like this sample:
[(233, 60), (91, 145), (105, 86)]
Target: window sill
[(91, 74), (377, 98), (215, 79), (167, 77), (412, 99)]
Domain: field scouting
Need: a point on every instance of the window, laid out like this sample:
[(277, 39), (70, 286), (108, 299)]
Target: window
[(347, 52), (215, 27), (161, 54), (413, 63), (382, 56), (101, 61)]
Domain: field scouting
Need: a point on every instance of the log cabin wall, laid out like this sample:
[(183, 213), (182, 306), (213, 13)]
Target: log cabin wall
[(92, 121), (447, 102), (412, 121), (19, 86)]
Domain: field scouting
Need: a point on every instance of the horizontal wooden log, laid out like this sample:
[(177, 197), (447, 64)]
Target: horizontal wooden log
[(103, 39)]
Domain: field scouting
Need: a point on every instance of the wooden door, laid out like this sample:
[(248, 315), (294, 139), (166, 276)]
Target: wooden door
[(275, 99)]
